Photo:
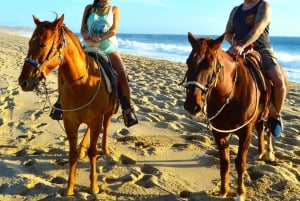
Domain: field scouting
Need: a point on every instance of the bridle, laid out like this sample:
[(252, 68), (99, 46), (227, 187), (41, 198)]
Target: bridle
[(54, 51), (207, 91)]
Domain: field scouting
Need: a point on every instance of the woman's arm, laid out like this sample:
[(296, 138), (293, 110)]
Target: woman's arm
[(229, 27), (83, 30), (114, 29)]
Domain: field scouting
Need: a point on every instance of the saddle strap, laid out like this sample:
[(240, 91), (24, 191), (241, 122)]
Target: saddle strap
[(109, 74), (253, 61)]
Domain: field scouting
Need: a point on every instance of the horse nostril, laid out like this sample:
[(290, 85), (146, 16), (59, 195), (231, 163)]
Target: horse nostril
[(23, 84), (197, 108), (192, 108)]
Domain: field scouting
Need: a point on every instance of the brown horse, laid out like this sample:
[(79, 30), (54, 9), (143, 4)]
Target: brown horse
[(84, 96), (223, 88)]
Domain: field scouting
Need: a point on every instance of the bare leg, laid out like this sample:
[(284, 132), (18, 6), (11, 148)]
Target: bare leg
[(279, 90)]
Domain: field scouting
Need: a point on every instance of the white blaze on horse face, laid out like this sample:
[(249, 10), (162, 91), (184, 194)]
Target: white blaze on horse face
[(200, 60)]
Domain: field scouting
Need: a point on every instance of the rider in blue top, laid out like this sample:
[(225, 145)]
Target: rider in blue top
[(99, 28)]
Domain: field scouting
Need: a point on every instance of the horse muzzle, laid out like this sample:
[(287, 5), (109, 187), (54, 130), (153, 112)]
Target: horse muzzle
[(192, 108), (28, 84)]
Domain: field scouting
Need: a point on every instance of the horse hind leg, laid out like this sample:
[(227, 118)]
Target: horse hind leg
[(106, 124), (83, 144), (259, 126), (269, 155)]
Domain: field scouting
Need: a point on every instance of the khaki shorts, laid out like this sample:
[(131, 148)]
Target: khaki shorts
[(269, 61)]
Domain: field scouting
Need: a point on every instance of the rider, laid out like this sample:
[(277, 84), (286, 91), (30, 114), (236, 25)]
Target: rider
[(248, 25), (99, 28)]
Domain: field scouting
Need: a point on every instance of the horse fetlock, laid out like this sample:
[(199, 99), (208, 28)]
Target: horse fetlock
[(94, 188), (240, 197), (269, 156), (70, 191)]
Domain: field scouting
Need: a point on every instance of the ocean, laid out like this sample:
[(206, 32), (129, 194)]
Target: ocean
[(177, 48)]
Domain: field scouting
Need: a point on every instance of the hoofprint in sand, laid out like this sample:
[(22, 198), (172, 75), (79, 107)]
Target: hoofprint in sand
[(167, 156)]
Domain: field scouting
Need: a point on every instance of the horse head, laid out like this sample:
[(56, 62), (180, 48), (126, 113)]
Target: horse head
[(44, 53), (202, 71)]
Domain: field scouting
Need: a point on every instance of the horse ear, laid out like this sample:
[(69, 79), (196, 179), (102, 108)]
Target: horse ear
[(217, 43), (36, 20), (191, 38), (60, 21)]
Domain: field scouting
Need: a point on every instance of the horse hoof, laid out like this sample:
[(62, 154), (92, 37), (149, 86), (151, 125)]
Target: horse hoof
[(223, 195), (69, 192), (94, 189), (240, 198), (259, 156), (269, 156)]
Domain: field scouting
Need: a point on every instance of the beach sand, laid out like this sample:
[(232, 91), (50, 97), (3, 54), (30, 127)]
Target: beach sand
[(166, 157)]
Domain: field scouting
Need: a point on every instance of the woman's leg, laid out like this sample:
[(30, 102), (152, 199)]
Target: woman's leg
[(123, 87)]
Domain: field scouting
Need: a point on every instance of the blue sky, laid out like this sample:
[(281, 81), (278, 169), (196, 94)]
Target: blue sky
[(152, 16)]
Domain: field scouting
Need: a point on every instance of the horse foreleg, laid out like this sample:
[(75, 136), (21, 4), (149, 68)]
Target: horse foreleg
[(92, 153), (73, 156), (84, 143), (241, 160), (223, 146), (261, 140), (106, 124)]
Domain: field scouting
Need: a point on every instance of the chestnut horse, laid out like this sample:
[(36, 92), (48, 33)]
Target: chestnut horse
[(84, 96), (223, 88)]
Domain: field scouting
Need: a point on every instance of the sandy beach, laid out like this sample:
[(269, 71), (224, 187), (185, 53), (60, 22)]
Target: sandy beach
[(166, 157)]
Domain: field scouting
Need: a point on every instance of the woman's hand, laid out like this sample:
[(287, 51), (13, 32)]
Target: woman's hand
[(96, 39), (236, 50)]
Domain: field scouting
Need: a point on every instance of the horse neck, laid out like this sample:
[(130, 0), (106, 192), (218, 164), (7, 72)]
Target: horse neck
[(226, 77), (75, 64)]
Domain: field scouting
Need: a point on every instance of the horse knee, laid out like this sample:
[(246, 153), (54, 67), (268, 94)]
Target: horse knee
[(92, 152)]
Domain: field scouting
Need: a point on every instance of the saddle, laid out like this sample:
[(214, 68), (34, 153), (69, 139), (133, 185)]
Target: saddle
[(254, 63), (110, 75)]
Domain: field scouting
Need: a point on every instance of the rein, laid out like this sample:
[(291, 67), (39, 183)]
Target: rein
[(226, 103), (50, 55), (207, 91)]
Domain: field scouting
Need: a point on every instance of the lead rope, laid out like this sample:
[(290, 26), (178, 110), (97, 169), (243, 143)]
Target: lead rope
[(246, 123)]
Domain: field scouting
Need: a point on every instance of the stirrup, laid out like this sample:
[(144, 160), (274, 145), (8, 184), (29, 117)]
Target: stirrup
[(56, 112), (129, 117)]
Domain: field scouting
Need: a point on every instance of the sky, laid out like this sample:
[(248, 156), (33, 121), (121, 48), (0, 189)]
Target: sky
[(152, 16)]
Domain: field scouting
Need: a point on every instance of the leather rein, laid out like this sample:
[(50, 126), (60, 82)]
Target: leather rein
[(51, 54), (207, 91)]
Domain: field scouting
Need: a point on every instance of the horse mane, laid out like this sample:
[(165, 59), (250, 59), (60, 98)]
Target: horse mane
[(74, 38)]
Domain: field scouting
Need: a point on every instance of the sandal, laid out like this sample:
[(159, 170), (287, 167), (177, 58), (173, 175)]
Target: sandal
[(56, 112), (276, 126), (129, 117)]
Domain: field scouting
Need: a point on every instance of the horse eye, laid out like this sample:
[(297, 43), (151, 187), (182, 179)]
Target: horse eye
[(42, 45)]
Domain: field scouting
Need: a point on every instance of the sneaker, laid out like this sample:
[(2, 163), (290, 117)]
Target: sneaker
[(276, 126), (56, 112), (129, 117)]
